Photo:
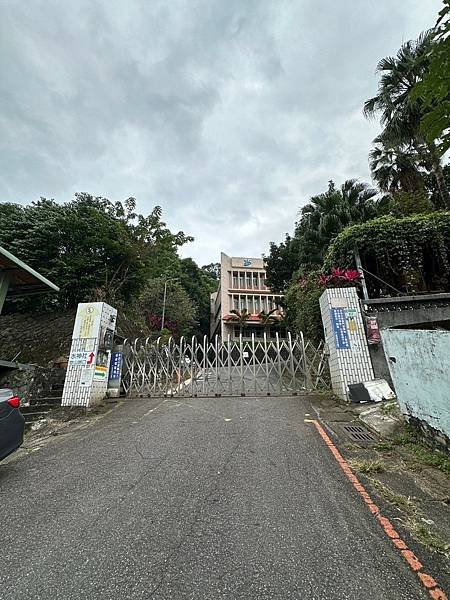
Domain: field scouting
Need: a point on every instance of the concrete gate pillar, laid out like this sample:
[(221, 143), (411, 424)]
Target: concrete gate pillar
[(92, 340), (346, 338)]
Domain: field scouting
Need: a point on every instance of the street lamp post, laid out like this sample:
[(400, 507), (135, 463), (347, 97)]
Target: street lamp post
[(164, 300)]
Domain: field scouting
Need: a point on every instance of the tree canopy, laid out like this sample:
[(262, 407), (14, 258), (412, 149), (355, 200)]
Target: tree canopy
[(400, 227), (434, 88), (96, 249), (321, 220), (402, 150)]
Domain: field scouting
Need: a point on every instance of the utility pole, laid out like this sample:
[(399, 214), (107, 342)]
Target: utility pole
[(361, 272), (164, 300)]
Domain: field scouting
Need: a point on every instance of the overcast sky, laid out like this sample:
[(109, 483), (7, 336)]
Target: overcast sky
[(227, 113)]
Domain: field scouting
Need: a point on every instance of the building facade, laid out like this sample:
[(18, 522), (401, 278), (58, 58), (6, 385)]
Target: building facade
[(242, 288)]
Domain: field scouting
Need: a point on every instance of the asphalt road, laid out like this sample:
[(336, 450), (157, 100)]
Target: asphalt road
[(251, 381), (192, 499)]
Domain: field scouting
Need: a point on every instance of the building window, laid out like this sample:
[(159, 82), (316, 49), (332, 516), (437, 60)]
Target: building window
[(247, 332), (235, 280), (255, 281), (243, 306), (242, 281), (236, 302), (249, 281), (250, 304), (257, 304)]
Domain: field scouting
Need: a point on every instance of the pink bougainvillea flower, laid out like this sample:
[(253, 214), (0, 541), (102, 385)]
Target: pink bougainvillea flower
[(302, 282)]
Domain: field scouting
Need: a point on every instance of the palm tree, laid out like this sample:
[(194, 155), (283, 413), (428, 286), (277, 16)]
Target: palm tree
[(395, 170), (401, 113), (269, 318), (240, 317), (328, 214)]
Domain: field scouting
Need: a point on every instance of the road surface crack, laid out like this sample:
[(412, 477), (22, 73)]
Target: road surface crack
[(197, 513)]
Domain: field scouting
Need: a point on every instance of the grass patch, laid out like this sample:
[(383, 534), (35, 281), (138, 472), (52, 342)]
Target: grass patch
[(429, 539), (432, 458), (425, 454), (383, 446), (404, 503), (368, 466), (408, 507), (352, 447), (389, 408), (406, 438)]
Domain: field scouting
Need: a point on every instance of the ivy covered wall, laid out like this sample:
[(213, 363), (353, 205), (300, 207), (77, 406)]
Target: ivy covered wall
[(412, 254)]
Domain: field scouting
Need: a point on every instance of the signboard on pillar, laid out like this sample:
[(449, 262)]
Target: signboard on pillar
[(346, 338), (92, 339), (115, 372)]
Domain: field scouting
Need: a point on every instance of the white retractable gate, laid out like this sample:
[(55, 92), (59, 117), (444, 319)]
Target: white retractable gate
[(256, 367)]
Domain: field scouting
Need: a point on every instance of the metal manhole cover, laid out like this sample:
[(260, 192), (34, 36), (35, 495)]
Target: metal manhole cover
[(358, 434)]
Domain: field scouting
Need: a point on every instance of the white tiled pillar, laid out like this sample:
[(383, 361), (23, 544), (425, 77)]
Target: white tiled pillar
[(346, 338), (87, 372)]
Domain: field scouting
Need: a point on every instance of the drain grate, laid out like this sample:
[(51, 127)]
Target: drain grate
[(358, 434)]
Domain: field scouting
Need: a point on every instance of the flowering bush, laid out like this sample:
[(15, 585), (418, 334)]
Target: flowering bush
[(339, 278), (155, 321), (302, 299)]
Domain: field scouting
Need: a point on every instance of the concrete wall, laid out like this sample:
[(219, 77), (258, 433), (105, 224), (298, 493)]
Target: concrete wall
[(36, 338), (428, 311), (419, 362), (379, 363)]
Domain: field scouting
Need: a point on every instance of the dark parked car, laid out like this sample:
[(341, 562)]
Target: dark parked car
[(12, 423)]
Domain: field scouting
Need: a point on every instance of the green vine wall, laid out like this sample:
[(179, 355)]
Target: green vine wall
[(412, 253)]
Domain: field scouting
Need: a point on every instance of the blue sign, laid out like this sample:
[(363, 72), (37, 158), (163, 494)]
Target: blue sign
[(115, 366), (247, 262), (339, 322)]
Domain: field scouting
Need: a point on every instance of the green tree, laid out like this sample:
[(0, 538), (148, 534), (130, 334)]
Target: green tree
[(213, 270), (328, 214), (240, 317), (303, 310), (180, 312), (401, 113), (92, 248), (434, 89), (281, 262), (321, 220), (404, 204), (199, 284), (396, 169), (269, 318)]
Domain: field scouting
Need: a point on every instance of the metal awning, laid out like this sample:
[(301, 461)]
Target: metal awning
[(22, 279)]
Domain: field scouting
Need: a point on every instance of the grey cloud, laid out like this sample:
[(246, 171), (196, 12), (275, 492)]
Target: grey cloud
[(228, 114)]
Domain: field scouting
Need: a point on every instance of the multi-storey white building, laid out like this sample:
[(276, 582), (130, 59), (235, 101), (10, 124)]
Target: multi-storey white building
[(242, 287)]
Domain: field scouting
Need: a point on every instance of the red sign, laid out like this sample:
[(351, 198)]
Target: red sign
[(373, 332)]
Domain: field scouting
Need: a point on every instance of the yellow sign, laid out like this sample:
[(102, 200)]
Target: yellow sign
[(87, 323)]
